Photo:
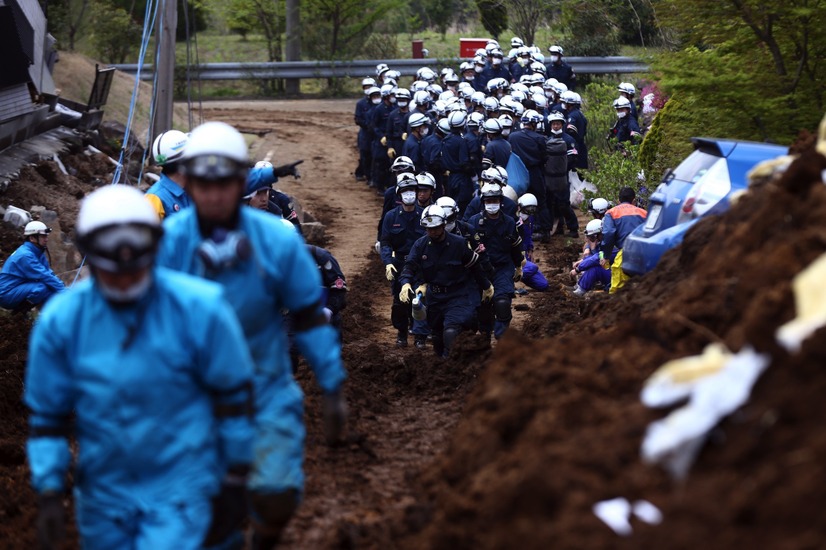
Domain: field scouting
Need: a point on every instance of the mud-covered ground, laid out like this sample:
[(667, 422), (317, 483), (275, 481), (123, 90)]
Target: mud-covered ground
[(511, 447)]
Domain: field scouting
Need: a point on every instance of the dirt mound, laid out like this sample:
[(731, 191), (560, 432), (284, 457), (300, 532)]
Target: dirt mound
[(556, 426)]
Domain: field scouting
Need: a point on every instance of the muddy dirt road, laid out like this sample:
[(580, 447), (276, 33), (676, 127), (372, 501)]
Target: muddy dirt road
[(404, 404)]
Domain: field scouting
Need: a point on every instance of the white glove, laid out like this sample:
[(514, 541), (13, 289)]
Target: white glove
[(377, 247)]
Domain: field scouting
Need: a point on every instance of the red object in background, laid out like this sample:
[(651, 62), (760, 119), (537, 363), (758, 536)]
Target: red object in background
[(418, 46), (468, 46)]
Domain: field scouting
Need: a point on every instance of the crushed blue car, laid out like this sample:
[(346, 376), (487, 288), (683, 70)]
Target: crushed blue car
[(700, 186)]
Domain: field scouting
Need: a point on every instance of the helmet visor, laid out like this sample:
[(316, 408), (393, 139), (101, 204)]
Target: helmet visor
[(214, 167)]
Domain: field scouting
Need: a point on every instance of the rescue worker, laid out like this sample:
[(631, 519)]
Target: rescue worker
[(527, 210), (364, 109), (418, 128), (425, 189), (400, 230), (334, 283), (469, 75), (559, 69), (263, 176), (163, 425), (625, 128), (402, 166), (474, 142), (617, 224), (378, 122), (432, 155), (598, 207), (497, 149), (266, 269), (27, 280), (588, 270), (167, 195), (494, 176), (457, 161), (627, 90), (503, 247), (577, 126), (497, 68), (530, 146), (396, 131), (561, 159), (452, 279)]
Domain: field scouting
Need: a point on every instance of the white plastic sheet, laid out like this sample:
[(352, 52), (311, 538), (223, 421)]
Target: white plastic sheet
[(810, 304), (616, 513)]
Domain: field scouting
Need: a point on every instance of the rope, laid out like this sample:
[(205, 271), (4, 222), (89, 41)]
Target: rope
[(148, 26)]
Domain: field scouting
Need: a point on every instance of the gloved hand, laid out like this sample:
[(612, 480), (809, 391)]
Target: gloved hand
[(51, 520), (404, 136), (377, 247), (391, 153), (422, 289), (229, 506), (288, 170), (390, 272), (517, 275), (383, 141), (406, 293), (487, 294), (334, 416)]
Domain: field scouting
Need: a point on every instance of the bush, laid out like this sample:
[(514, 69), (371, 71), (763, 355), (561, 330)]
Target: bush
[(115, 36), (615, 169), (591, 27)]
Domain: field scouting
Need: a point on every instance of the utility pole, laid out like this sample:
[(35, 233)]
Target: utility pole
[(165, 55), (293, 49)]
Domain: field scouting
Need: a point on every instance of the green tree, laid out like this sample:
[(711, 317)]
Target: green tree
[(115, 35), (67, 19), (440, 14), (591, 28), (494, 16), (527, 15)]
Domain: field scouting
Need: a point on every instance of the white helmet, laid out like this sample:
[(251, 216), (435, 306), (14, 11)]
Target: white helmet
[(627, 87), (457, 119), (622, 103), (372, 91), (426, 74), (557, 50), (417, 119), (422, 98), (215, 150), (475, 120), (36, 228), (492, 175), (556, 115), (434, 216), (491, 190), (540, 101), (418, 86), (117, 229), (560, 88), (406, 181), (516, 42), (368, 82), (509, 192), (426, 179), (493, 126), (599, 205), (263, 164), (387, 90), (594, 227), (169, 147), (450, 207), (491, 104), (402, 164), (527, 200)]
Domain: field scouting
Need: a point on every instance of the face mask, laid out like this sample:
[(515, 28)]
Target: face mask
[(549, 94), (478, 68), (556, 132), (523, 62), (392, 99), (506, 132), (425, 131), (450, 226), (491, 208), (408, 197), (496, 62), (451, 88), (563, 105), (375, 101), (554, 58), (524, 217), (470, 78), (620, 114), (402, 104), (130, 295)]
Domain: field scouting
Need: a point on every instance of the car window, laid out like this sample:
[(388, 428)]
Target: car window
[(695, 166)]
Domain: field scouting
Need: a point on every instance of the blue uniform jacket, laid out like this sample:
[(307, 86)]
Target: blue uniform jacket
[(27, 264), (399, 231), (618, 223), (279, 275), (577, 128), (563, 73), (396, 128), (265, 176), (624, 129), (378, 122), (449, 264), (498, 151), (362, 116), (413, 149), (492, 72), (143, 382), (167, 197), (503, 245)]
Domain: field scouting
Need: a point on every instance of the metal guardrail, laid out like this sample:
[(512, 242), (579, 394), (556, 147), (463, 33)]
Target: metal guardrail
[(360, 68)]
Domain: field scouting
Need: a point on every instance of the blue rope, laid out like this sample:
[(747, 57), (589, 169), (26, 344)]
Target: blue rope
[(148, 26)]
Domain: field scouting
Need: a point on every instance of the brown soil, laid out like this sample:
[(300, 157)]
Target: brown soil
[(512, 447)]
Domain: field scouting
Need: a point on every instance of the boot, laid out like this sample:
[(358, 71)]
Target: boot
[(401, 340), (420, 341)]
